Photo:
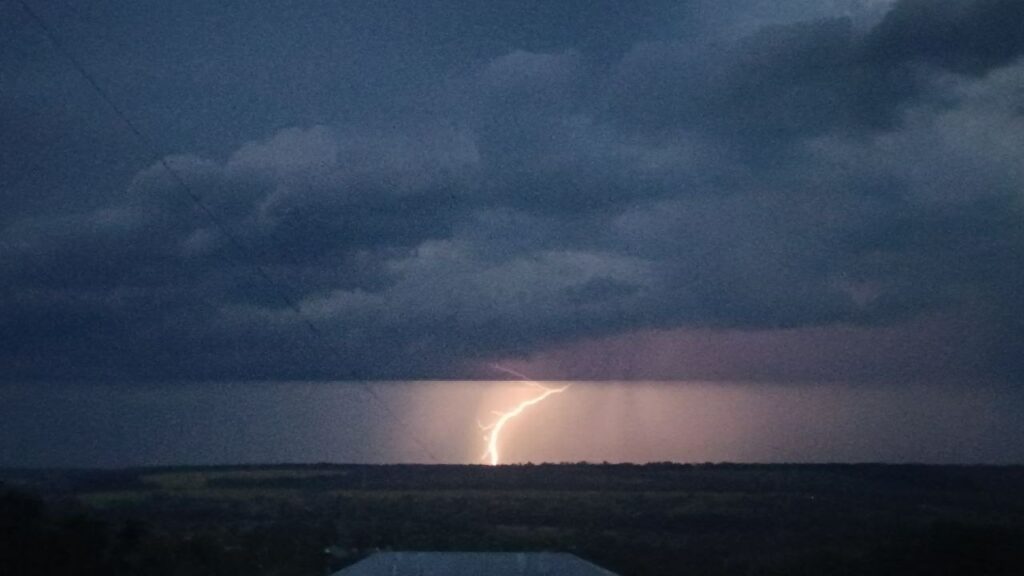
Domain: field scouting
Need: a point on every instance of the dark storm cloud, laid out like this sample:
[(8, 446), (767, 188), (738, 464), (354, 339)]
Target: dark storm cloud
[(963, 35), (431, 187)]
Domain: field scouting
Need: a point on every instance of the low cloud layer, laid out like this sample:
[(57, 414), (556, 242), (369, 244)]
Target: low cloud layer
[(728, 171)]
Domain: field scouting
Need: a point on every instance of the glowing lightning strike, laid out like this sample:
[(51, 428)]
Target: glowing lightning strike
[(493, 437)]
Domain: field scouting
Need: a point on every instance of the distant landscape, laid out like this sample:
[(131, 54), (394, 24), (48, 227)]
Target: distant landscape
[(705, 519), (486, 254)]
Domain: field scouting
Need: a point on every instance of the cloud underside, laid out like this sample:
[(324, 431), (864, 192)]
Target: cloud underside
[(807, 175)]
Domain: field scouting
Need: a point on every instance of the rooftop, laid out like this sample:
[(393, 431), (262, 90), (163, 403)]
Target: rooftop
[(473, 564)]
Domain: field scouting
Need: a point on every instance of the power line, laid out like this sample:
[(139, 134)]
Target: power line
[(235, 242)]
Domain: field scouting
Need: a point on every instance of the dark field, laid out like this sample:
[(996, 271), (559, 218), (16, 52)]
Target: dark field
[(652, 519)]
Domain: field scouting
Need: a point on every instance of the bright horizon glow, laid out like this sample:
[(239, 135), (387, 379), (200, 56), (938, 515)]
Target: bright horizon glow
[(142, 424)]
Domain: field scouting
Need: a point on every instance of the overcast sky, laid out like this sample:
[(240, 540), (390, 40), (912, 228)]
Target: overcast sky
[(756, 190)]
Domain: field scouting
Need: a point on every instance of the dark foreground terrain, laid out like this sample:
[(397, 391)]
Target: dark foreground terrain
[(652, 519)]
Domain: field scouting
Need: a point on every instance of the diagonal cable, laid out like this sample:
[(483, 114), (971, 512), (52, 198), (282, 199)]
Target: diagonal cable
[(235, 242)]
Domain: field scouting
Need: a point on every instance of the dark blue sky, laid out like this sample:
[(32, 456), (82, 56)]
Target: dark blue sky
[(441, 185)]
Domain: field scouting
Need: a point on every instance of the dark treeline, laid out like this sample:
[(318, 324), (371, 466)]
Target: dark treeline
[(40, 539), (713, 477), (652, 519)]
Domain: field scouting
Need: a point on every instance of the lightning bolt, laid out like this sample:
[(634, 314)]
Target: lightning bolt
[(493, 436)]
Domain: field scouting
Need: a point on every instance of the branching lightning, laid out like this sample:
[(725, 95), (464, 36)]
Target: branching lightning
[(493, 436)]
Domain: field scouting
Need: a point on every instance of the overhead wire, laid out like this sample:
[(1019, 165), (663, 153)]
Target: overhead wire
[(235, 242)]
